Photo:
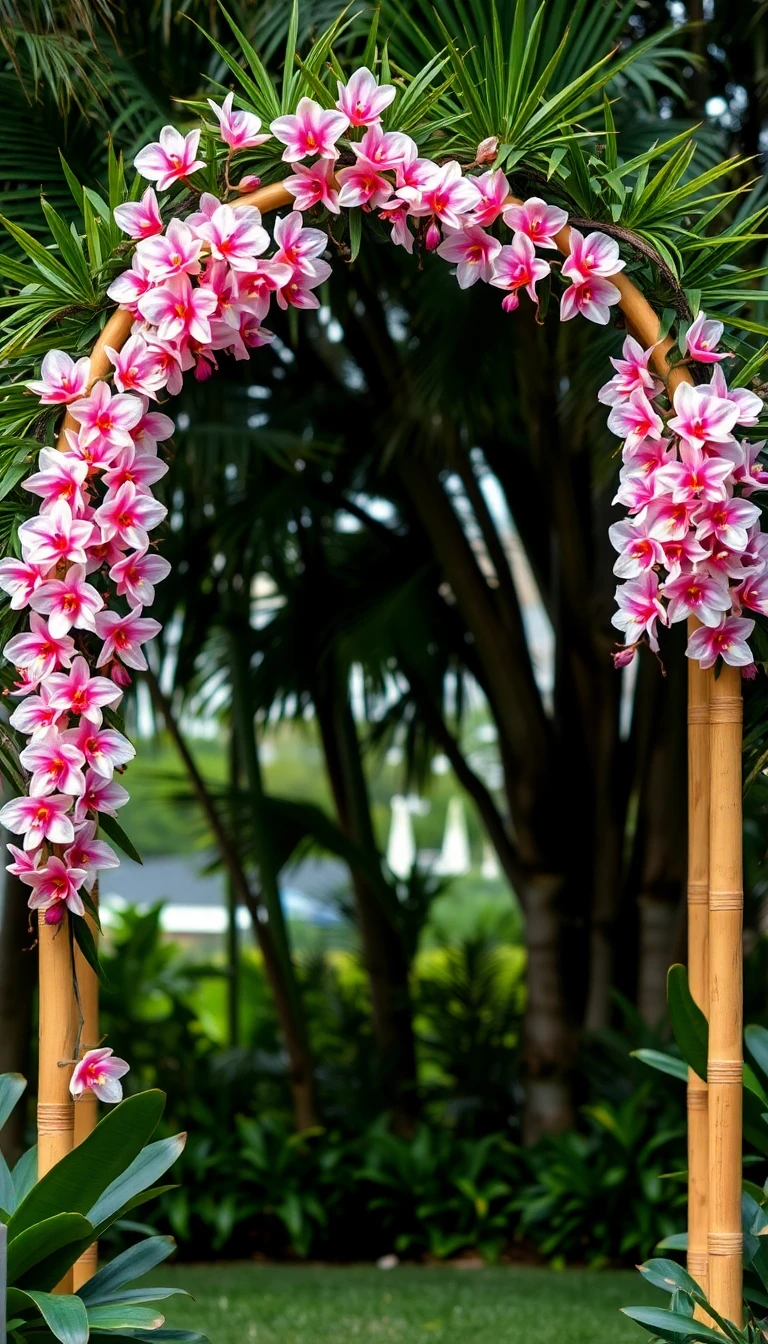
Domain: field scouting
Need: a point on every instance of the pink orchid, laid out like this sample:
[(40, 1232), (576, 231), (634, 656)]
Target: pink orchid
[(179, 310), (727, 641), (169, 159), (395, 213), (635, 420), (101, 795), (632, 374), (153, 428), (176, 252), (80, 693), (102, 554), (172, 362), (239, 130), (236, 237), (139, 469), (140, 219), (56, 885), (89, 853), (128, 516), (54, 536), (638, 550), (257, 286), (135, 576), (68, 602), (752, 593), (63, 379), (61, 477), (750, 473), (448, 195), (749, 405), (310, 130), (640, 607), (35, 714), (516, 266), (38, 651), (415, 174), (594, 255), (312, 185), (137, 367), (593, 299), (99, 1071), (474, 251), (298, 247), (39, 819), (298, 292), (695, 477), (104, 418), (667, 521), (55, 763), (537, 220), (363, 184), (699, 595), (128, 287), (681, 556), (494, 190), (362, 100), (123, 637), (101, 748), (728, 521), (20, 579), (384, 150), (701, 340), (24, 863), (701, 416)]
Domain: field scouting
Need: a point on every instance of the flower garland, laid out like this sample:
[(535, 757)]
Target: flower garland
[(692, 545), (202, 286)]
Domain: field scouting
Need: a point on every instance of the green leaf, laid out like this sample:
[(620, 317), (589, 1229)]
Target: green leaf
[(656, 1059), (669, 1276), (756, 1041), (127, 1317), (78, 1181), (36, 1243), (677, 1242), (689, 1025), (114, 830), (12, 1088), (152, 1162), (24, 1174), (63, 1313), (87, 944), (671, 1325), (355, 232), (127, 1267)]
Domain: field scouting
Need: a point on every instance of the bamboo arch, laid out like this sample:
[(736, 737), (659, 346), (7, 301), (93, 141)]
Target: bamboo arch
[(715, 905)]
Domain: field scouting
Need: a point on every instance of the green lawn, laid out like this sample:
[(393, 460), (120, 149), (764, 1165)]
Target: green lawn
[(315, 1305)]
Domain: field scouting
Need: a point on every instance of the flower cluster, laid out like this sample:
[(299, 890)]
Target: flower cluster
[(692, 545), (87, 548)]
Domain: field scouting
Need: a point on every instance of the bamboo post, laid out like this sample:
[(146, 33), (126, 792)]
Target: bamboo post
[(725, 1064), (57, 1032), (698, 960), (86, 1108), (714, 783)]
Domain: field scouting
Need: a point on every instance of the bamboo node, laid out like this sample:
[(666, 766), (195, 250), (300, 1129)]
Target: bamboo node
[(697, 1263), (725, 1243), (725, 1071), (697, 1097), (55, 1117), (698, 893), (727, 710), (698, 713), (726, 900)]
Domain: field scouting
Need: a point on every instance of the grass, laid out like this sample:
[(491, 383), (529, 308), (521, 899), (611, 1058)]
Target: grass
[(238, 1304)]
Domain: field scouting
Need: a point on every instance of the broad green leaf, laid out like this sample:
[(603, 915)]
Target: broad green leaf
[(63, 1313), (127, 1267), (12, 1087), (677, 1242), (115, 832), (669, 1276), (7, 1190), (36, 1243), (672, 1325), (657, 1059), (689, 1025), (756, 1041), (152, 1162), (127, 1317), (24, 1174)]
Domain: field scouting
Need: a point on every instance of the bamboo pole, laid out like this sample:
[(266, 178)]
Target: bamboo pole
[(86, 1108), (57, 1032), (698, 960), (725, 1063), (723, 926)]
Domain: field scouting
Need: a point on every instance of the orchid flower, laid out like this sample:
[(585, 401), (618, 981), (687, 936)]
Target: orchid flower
[(362, 100), (635, 420), (309, 130), (54, 536), (701, 340), (640, 607), (102, 749), (39, 819), (101, 795), (68, 602), (80, 693), (700, 595), (728, 641), (638, 550), (54, 886), (89, 853), (238, 129), (123, 637), (312, 185), (728, 521), (701, 416), (179, 310), (632, 374), (61, 477), (99, 1071), (236, 237), (595, 255), (494, 190), (104, 418), (63, 379), (129, 516), (38, 651), (474, 251), (170, 159), (695, 477), (55, 765), (140, 219), (175, 252), (384, 150), (363, 184), (593, 299), (516, 266), (20, 579), (35, 714), (447, 196), (536, 220)]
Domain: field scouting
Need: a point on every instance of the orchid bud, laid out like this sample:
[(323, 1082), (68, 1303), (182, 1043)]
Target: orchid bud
[(749, 672), (120, 675), (433, 238), (55, 913), (623, 657), (487, 150), (249, 183), (510, 302)]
